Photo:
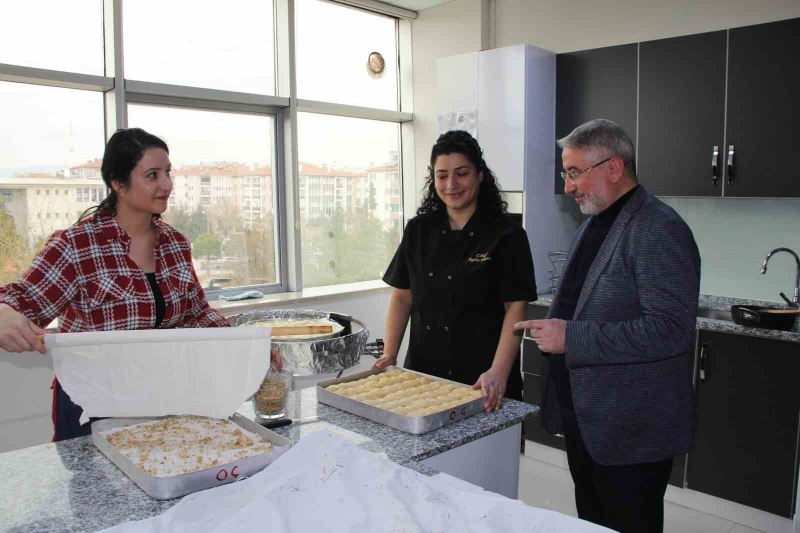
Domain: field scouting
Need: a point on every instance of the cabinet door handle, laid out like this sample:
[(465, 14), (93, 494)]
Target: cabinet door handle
[(703, 362), (731, 153), (715, 165)]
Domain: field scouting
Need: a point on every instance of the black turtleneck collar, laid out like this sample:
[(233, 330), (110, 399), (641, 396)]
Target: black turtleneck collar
[(607, 217)]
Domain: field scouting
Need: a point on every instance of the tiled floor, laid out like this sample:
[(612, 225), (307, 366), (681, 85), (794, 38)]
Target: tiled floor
[(543, 485)]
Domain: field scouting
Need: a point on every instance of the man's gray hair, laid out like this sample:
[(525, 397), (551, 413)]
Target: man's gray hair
[(605, 135)]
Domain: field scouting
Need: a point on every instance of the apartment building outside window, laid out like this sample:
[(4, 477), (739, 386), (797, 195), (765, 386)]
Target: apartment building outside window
[(264, 152)]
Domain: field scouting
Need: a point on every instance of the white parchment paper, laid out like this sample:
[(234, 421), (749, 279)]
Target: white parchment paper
[(325, 483), (206, 372)]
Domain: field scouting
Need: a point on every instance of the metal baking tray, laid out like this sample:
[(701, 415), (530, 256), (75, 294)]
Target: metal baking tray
[(165, 488), (416, 425)]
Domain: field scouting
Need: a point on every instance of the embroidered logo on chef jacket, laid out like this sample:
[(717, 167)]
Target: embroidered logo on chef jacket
[(479, 258)]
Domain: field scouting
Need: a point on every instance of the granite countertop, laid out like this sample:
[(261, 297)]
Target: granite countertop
[(708, 301), (71, 486)]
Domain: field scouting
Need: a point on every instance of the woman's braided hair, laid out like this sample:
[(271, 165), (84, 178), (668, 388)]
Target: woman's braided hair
[(460, 142)]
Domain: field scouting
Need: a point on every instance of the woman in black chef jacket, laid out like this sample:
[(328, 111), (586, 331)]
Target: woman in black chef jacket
[(463, 273)]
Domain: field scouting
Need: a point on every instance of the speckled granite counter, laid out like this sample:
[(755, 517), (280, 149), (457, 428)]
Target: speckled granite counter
[(71, 486), (727, 326), (725, 303)]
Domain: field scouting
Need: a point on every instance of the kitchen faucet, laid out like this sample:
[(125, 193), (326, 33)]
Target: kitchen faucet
[(795, 302)]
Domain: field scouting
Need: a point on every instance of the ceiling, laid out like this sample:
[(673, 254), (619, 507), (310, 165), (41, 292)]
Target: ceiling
[(415, 5)]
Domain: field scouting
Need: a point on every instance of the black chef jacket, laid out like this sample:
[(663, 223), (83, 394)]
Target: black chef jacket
[(459, 282)]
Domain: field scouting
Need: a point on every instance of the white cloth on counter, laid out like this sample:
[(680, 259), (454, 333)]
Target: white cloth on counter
[(197, 371), (324, 483)]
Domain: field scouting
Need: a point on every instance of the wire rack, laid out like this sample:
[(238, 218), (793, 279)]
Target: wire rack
[(558, 262)]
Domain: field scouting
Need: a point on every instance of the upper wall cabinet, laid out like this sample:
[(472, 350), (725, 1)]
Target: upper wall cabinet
[(763, 125), (682, 115), (717, 112), (598, 83)]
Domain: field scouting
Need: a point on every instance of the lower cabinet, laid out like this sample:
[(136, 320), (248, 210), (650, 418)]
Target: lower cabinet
[(746, 443), (532, 385), (532, 428)]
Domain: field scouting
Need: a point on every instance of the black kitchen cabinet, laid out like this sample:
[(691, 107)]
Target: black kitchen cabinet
[(734, 90), (531, 356), (532, 385), (682, 115), (763, 123), (590, 84), (532, 428), (746, 442)]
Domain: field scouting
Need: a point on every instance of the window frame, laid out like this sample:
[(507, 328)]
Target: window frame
[(283, 107)]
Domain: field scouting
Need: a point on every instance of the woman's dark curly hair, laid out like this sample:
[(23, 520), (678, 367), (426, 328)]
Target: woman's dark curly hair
[(460, 142)]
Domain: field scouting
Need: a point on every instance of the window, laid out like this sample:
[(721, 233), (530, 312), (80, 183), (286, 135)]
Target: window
[(349, 164), (201, 43), (334, 69), (53, 34), (44, 130), (215, 81), (230, 239), (354, 239)]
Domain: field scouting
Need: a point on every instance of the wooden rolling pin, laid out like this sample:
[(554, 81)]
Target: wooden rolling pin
[(300, 330)]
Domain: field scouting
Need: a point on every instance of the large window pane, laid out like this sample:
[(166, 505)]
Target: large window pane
[(350, 198), (51, 142), (201, 43), (223, 196), (333, 48), (53, 34)]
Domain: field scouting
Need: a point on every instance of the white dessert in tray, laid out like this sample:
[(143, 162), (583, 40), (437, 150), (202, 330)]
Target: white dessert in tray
[(183, 444), (406, 393)]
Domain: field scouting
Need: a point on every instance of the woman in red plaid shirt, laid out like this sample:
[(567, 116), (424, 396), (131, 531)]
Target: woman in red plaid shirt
[(121, 268)]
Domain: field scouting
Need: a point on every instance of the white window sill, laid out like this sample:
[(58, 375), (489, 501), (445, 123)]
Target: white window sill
[(228, 308)]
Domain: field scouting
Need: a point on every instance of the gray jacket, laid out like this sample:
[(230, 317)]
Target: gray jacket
[(629, 345)]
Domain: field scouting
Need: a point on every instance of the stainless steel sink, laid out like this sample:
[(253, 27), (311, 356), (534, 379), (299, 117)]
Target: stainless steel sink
[(715, 314)]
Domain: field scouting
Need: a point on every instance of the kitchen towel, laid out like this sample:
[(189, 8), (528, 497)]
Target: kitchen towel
[(205, 372)]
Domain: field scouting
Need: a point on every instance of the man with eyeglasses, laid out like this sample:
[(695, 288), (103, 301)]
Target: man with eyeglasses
[(618, 336)]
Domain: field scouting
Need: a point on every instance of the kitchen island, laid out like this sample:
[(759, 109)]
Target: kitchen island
[(71, 486)]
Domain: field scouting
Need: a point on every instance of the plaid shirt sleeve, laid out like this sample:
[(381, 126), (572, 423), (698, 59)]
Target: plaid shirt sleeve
[(46, 288)]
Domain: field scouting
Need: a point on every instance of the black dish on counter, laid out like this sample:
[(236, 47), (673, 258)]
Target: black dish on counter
[(755, 316)]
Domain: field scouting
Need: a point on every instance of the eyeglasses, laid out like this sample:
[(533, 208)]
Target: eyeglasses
[(572, 175)]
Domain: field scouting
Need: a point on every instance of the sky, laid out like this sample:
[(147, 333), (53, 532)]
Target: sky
[(194, 42)]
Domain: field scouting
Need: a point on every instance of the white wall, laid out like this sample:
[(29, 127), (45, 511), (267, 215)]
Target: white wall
[(25, 395), (444, 30), (25, 400), (568, 25)]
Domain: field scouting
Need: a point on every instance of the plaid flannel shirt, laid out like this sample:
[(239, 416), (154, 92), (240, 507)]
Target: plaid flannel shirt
[(84, 276)]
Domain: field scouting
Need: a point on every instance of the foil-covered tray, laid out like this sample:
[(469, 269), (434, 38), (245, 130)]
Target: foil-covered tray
[(165, 488), (314, 356), (416, 425)]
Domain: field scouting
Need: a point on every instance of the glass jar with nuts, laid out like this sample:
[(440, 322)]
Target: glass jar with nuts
[(269, 401)]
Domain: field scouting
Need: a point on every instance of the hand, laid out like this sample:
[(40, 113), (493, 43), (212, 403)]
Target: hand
[(18, 333), (276, 363), (386, 360), (550, 335), (492, 384)]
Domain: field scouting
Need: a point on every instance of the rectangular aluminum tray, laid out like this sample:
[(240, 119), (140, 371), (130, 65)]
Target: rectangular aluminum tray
[(165, 488), (416, 425)]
